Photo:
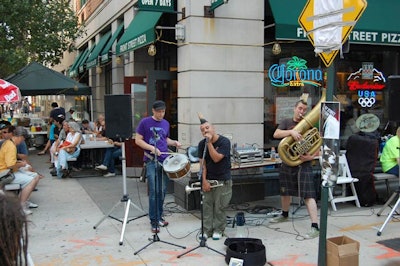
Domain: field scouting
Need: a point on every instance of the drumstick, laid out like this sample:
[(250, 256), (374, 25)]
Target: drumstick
[(169, 153)]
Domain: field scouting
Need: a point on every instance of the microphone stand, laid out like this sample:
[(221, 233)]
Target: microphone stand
[(157, 182), (396, 205), (203, 240)]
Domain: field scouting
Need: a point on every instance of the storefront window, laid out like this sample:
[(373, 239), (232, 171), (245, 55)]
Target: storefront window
[(361, 88), (139, 103)]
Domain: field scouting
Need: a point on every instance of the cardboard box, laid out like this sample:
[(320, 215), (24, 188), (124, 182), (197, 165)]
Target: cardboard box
[(342, 251)]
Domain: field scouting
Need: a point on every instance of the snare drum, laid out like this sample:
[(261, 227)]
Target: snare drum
[(176, 166)]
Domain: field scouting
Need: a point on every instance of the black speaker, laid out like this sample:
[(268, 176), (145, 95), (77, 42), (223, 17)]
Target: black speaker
[(394, 98), (118, 114)]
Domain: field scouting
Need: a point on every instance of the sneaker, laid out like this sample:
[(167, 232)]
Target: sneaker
[(109, 175), (101, 167), (313, 233), (31, 204), (155, 229), (163, 223), (279, 219), (65, 173), (27, 211), (25, 208), (216, 236), (53, 172)]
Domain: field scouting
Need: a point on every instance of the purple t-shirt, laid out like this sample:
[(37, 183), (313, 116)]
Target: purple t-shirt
[(147, 128)]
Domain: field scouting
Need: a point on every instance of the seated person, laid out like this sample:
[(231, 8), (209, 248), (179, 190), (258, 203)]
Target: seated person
[(109, 158), (87, 127), (100, 126), (8, 160), (390, 158), (62, 130), (22, 154), (69, 148)]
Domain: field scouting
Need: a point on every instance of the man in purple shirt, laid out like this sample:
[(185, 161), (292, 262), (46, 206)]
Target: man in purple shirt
[(152, 135)]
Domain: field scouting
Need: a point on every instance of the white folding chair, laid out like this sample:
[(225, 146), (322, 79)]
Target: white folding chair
[(344, 179)]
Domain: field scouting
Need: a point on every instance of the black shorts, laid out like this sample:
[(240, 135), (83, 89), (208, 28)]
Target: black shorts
[(289, 177)]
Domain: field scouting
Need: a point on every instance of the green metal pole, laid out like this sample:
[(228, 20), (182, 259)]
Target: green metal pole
[(323, 223)]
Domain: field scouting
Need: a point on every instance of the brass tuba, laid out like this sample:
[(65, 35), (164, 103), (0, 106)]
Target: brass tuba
[(290, 150)]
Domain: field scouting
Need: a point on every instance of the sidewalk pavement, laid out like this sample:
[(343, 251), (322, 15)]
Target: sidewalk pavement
[(61, 231)]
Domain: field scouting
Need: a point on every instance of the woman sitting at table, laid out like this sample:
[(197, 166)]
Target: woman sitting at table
[(69, 148)]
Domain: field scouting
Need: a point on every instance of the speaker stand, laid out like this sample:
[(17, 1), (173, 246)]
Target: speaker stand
[(125, 200)]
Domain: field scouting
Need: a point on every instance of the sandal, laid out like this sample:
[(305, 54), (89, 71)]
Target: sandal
[(41, 153)]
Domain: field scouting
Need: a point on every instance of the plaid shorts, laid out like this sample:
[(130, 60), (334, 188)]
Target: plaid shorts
[(289, 178)]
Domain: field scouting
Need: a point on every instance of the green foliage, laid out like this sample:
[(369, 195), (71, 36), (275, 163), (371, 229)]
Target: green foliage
[(35, 30)]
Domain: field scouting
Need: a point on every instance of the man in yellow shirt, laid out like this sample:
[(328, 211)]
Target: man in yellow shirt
[(390, 155), (8, 160)]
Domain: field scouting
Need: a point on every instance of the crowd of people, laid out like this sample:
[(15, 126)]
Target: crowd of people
[(153, 136)]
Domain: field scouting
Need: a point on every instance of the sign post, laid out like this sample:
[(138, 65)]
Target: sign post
[(328, 25)]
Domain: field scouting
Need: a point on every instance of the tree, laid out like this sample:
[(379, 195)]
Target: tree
[(35, 30)]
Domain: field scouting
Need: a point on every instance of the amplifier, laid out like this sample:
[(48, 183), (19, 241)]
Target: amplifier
[(247, 154)]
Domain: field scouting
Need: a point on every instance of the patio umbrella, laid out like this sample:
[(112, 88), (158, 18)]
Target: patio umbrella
[(9, 93)]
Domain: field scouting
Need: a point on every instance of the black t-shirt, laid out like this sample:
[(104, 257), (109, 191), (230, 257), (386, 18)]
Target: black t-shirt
[(287, 124), (222, 169), (56, 112)]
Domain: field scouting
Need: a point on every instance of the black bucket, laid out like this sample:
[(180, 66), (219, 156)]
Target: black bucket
[(250, 250)]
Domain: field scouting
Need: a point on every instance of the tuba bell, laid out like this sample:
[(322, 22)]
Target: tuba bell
[(290, 150)]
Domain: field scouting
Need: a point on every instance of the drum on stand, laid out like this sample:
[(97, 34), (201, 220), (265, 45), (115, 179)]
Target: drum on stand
[(176, 166)]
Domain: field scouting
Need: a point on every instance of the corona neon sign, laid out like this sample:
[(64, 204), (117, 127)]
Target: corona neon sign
[(294, 73)]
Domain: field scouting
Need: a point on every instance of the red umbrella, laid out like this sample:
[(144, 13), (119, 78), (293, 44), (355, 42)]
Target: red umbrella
[(9, 93)]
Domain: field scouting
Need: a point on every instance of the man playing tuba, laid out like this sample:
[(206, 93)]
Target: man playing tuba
[(297, 180)]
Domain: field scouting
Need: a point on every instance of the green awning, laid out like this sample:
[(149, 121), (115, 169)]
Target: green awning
[(73, 72), (140, 32), (81, 65), (36, 79), (379, 24), (93, 57), (104, 54)]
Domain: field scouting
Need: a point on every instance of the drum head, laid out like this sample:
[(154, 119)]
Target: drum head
[(175, 162)]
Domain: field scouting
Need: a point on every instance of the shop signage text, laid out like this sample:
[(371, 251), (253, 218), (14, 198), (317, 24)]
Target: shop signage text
[(157, 5), (132, 44), (357, 85), (366, 81), (294, 73), (357, 36)]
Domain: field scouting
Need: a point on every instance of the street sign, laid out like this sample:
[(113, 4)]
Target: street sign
[(352, 11)]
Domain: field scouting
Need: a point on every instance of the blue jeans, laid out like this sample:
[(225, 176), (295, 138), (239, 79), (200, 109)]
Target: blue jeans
[(394, 170), (62, 160), (159, 185), (109, 158)]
